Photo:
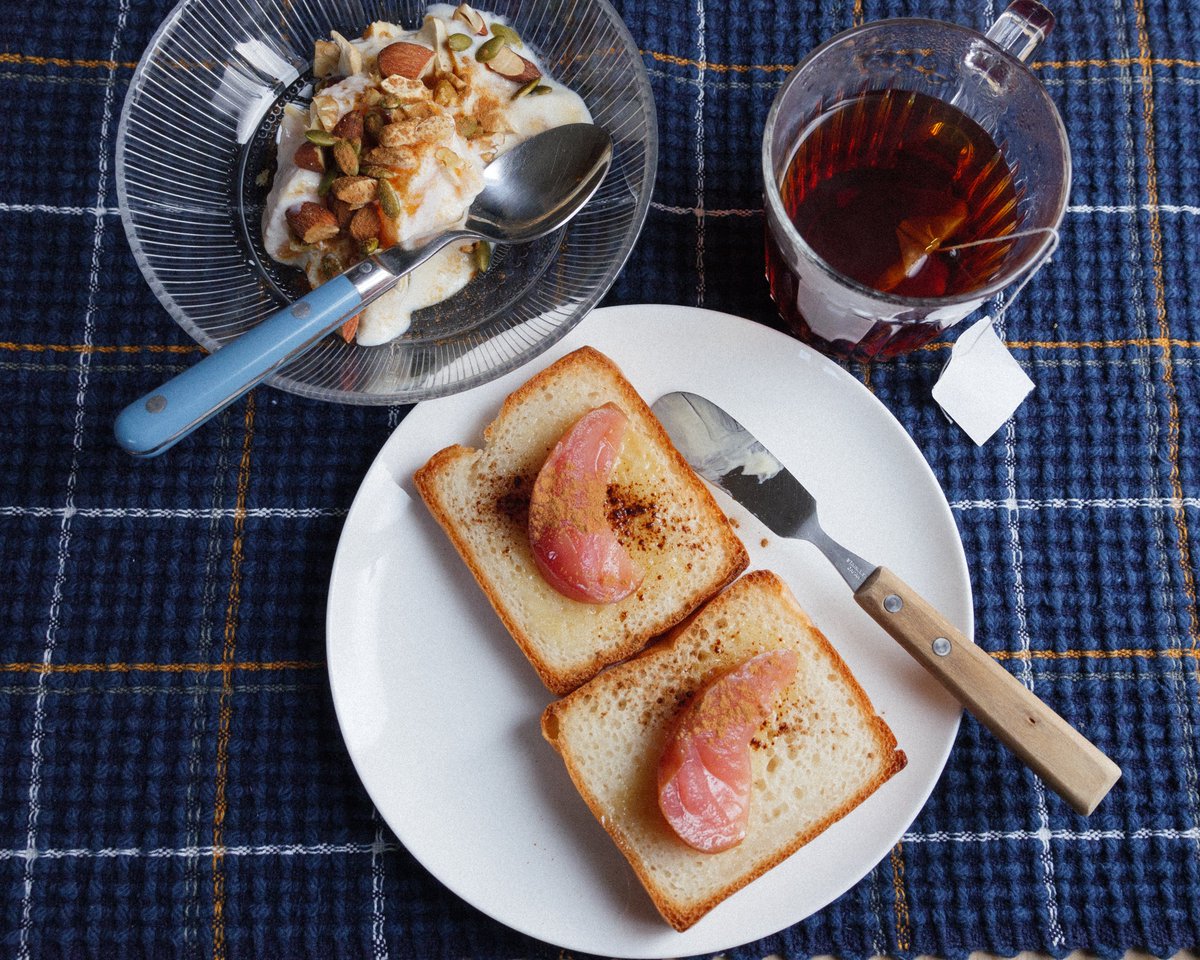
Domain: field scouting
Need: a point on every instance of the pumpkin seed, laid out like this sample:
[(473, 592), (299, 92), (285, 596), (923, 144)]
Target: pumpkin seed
[(331, 266), (482, 254), (320, 138), (346, 157), (508, 34), (458, 41), (489, 50), (389, 200), (529, 87), (370, 245), (539, 91), (467, 127), (327, 179)]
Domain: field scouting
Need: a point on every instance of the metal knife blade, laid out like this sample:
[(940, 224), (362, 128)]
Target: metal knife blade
[(726, 454)]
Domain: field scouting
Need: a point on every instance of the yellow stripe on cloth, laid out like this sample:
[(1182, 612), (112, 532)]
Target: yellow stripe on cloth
[(225, 709)]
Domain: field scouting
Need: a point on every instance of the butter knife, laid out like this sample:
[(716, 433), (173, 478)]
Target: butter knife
[(727, 455)]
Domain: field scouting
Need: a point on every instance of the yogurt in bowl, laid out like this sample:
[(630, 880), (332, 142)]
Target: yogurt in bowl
[(392, 148)]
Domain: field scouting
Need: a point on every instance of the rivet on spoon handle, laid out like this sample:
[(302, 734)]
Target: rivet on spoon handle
[(1067, 761)]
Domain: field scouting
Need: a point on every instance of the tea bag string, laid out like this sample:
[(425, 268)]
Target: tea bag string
[(1030, 273)]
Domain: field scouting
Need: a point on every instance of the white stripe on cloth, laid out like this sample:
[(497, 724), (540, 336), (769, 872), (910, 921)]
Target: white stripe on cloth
[(378, 942), (1079, 503), (1185, 834), (174, 513)]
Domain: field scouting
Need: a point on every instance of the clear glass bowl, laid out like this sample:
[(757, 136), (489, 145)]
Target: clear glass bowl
[(198, 130)]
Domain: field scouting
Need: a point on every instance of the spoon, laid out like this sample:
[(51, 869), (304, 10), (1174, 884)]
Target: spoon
[(530, 191)]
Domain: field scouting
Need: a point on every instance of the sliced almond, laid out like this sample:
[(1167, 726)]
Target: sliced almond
[(402, 59), (311, 223), (356, 191), (326, 54), (365, 224), (508, 63), (326, 111), (309, 157), (471, 18), (436, 35), (350, 59)]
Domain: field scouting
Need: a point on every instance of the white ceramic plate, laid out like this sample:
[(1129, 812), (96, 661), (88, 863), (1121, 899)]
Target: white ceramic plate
[(440, 710)]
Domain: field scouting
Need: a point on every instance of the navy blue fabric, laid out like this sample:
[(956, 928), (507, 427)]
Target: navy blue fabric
[(172, 780)]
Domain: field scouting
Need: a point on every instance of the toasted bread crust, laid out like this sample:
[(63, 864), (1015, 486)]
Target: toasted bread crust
[(679, 913), (586, 364)]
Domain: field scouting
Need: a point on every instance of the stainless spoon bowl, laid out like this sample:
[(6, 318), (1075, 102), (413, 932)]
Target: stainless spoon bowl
[(529, 192)]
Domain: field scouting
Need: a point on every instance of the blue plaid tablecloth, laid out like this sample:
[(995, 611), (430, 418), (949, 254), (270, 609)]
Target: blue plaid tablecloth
[(172, 779)]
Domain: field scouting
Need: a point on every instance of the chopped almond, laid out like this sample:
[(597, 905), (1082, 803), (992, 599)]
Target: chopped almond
[(341, 210), (309, 157), (350, 127), (420, 109), (356, 191), (399, 158), (407, 60), (444, 94), (350, 328), (401, 134), (405, 89), (433, 129), (365, 223), (311, 223), (326, 55)]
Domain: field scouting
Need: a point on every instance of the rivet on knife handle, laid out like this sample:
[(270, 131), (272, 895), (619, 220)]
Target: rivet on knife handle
[(1066, 760)]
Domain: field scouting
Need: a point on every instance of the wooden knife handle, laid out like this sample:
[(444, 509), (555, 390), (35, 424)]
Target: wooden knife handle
[(1071, 764)]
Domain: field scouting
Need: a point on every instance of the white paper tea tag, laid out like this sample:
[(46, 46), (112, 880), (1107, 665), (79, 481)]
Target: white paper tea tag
[(981, 385)]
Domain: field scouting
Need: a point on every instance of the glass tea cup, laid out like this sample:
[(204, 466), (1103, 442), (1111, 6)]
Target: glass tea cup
[(889, 153)]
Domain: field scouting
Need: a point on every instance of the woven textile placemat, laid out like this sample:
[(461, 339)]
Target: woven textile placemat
[(172, 779)]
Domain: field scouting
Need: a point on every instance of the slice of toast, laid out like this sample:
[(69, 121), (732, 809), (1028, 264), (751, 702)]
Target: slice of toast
[(822, 753), (662, 513)]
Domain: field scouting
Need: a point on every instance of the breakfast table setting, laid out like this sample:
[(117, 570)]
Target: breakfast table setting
[(254, 702)]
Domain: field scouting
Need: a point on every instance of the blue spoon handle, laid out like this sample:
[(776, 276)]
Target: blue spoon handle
[(160, 419)]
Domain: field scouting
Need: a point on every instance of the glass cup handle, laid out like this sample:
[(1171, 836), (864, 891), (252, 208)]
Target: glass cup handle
[(1021, 28)]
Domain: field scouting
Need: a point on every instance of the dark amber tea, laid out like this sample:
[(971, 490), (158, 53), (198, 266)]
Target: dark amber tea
[(886, 187), (884, 183)]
